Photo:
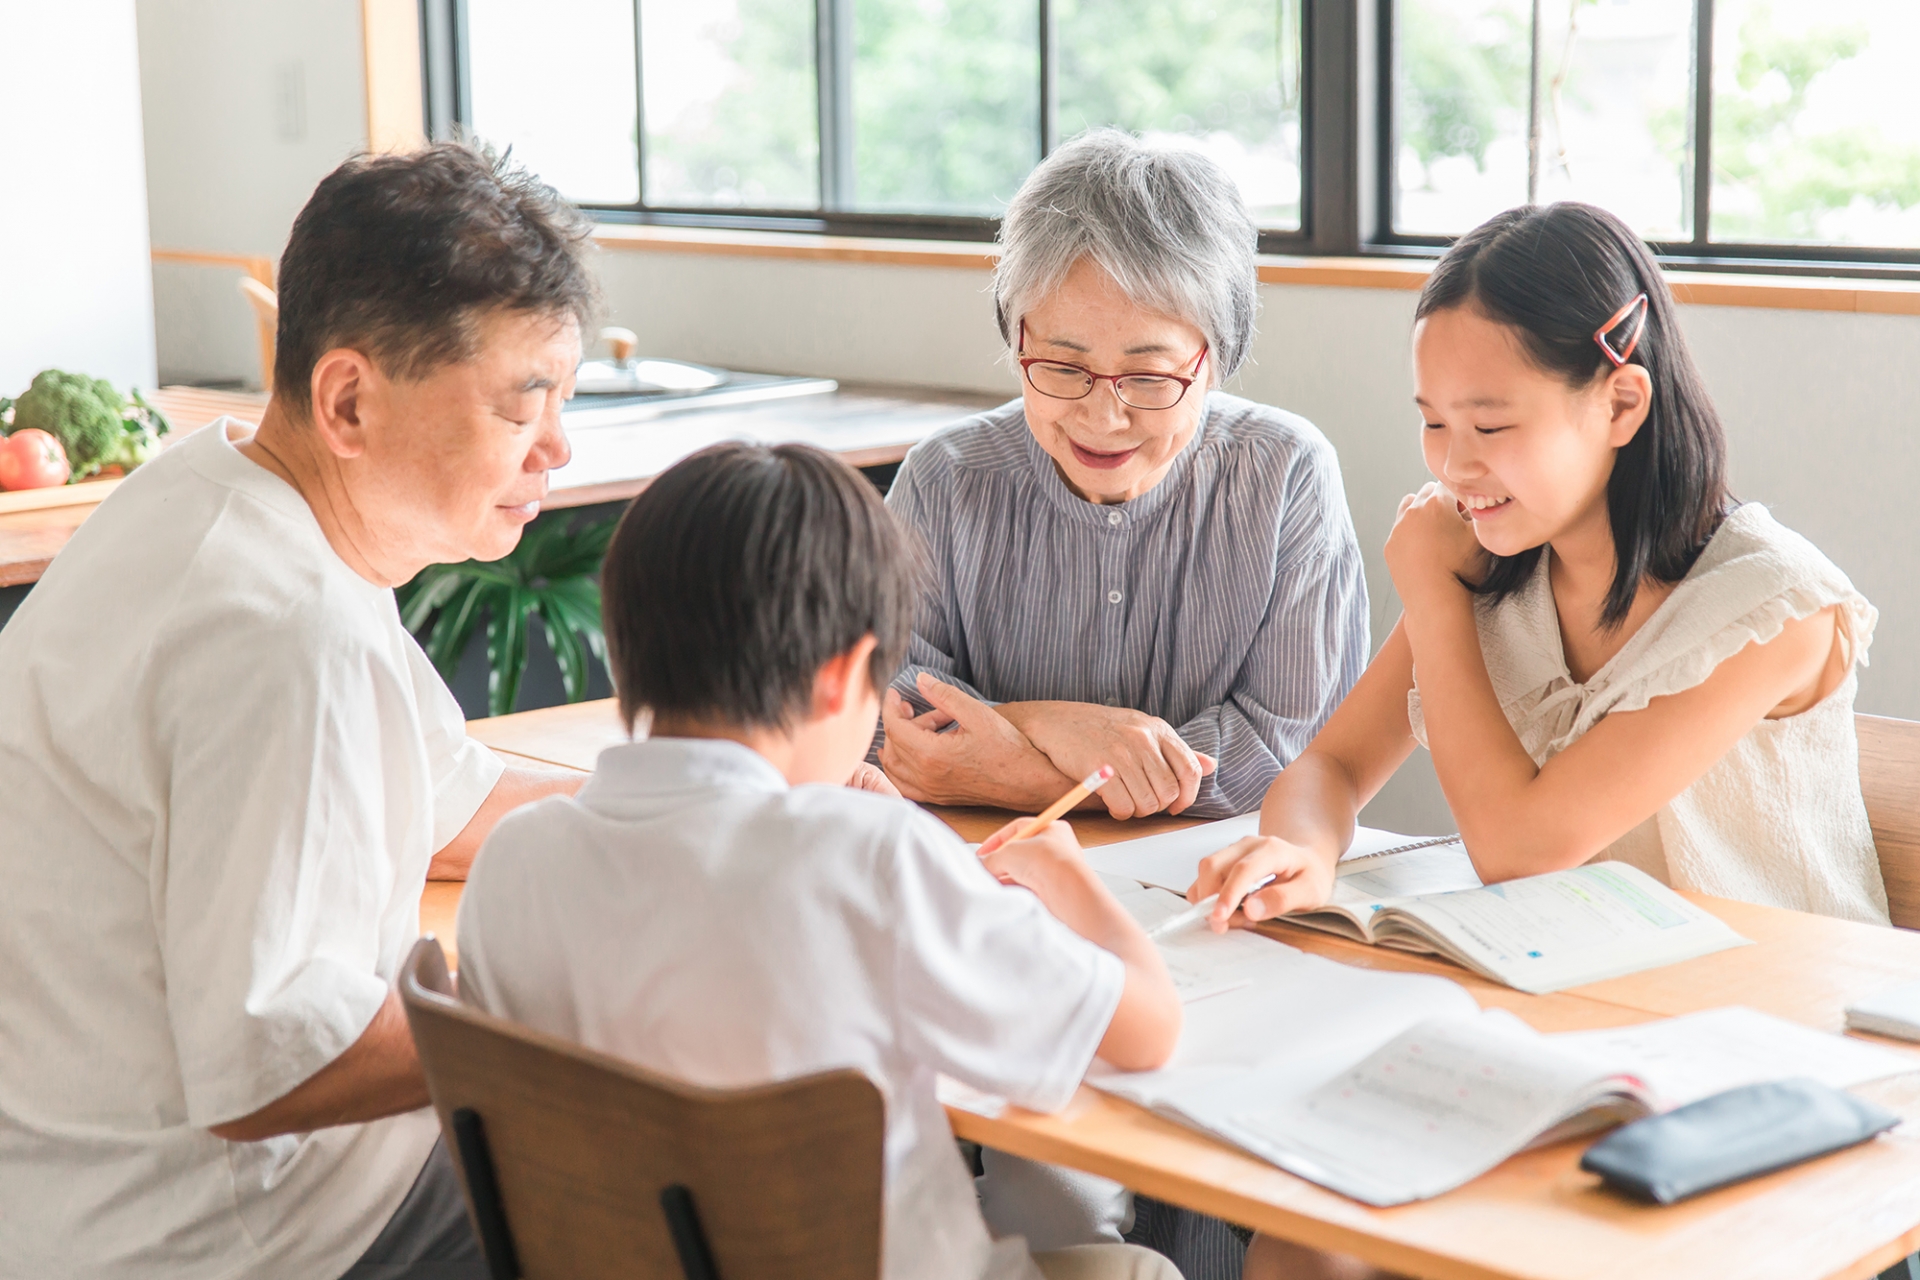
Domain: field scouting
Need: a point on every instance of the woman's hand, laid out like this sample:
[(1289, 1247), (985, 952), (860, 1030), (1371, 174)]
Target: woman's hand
[(1153, 767), (980, 759), (867, 777), (1301, 880), (1432, 545)]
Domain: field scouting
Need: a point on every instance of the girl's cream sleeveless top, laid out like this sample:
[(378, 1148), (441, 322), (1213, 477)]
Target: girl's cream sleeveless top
[(1779, 819)]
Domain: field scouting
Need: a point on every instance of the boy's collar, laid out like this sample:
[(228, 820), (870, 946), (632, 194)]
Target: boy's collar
[(669, 766)]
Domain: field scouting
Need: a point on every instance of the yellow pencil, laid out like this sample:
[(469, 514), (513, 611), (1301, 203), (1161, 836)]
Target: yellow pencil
[(1088, 785)]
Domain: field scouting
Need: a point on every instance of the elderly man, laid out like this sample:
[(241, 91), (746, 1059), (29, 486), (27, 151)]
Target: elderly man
[(1129, 568), (225, 766)]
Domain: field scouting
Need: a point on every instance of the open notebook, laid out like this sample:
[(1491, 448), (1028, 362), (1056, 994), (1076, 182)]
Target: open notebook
[(1391, 1087), (1537, 934)]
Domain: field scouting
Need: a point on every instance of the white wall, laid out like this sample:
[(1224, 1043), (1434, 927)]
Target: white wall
[(249, 103), (1819, 406), (74, 288)]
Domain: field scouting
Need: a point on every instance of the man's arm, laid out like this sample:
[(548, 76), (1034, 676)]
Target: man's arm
[(379, 1075), (515, 788)]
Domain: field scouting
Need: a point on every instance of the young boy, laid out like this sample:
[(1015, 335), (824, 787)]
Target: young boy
[(718, 906)]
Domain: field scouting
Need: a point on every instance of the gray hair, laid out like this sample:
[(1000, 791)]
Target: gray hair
[(1168, 225)]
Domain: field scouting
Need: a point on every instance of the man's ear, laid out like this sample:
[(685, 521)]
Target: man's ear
[(1629, 392), (841, 677), (342, 386)]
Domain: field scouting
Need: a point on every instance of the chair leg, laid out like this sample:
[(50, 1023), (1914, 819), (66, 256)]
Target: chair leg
[(689, 1241), (483, 1195)]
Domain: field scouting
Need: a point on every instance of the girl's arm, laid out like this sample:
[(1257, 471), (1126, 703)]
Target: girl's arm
[(1306, 822), (1517, 819)]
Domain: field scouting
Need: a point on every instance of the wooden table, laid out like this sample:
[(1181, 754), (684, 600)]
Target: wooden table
[(868, 425), (1536, 1217)]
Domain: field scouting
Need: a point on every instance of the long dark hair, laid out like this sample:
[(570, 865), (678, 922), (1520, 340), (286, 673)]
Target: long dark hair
[(1554, 275)]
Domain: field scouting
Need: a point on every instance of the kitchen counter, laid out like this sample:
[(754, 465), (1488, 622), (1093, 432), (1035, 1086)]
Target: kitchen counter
[(868, 425)]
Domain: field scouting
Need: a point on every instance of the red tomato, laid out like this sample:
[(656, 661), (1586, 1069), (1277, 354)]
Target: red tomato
[(32, 459)]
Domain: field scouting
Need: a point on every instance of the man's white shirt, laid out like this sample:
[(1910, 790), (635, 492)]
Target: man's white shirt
[(224, 768), (690, 912)]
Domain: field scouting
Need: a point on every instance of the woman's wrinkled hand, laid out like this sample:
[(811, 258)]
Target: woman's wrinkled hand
[(1433, 545), (961, 752), (1153, 767), (1301, 880)]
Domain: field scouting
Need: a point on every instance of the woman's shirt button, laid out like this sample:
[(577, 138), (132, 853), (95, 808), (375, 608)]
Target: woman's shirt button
[(1113, 597), (1114, 517)]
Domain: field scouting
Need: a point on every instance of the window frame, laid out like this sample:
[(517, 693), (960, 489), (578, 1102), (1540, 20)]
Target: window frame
[(1347, 150)]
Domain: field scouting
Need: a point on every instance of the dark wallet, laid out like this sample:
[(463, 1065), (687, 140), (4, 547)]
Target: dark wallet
[(1731, 1136)]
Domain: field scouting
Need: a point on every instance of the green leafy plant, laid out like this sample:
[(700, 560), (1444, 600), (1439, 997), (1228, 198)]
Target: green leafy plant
[(553, 575)]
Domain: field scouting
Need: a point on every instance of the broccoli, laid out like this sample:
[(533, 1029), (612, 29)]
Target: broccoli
[(86, 415), (90, 419), (140, 438)]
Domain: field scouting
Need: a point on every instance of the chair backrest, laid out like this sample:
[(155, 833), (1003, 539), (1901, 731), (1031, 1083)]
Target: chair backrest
[(1890, 784), (580, 1165), (266, 320)]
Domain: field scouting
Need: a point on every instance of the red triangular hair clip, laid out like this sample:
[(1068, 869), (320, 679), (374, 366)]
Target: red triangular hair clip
[(1621, 356)]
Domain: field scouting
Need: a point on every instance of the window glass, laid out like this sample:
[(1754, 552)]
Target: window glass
[(1460, 94), (1223, 75), (558, 89), (1616, 118), (731, 104), (1815, 132), (946, 103)]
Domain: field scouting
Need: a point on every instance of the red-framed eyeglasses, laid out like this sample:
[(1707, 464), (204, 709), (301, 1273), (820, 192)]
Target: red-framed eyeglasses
[(1620, 356), (1061, 380)]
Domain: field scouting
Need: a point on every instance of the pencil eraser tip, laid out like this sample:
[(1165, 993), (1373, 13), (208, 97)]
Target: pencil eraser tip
[(1106, 771)]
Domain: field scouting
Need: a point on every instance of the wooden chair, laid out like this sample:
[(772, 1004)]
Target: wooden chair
[(266, 318), (256, 285), (1890, 783), (580, 1165)]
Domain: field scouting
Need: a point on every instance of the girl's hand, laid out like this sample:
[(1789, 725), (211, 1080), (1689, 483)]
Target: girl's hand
[(1432, 545), (868, 777), (1301, 880)]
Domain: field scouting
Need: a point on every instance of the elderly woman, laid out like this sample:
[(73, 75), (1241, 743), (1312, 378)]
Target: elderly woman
[(1129, 567)]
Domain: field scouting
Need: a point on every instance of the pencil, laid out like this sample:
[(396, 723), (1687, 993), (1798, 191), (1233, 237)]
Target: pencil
[(1197, 912), (1088, 785)]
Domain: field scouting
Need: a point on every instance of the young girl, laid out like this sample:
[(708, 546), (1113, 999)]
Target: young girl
[(1607, 655)]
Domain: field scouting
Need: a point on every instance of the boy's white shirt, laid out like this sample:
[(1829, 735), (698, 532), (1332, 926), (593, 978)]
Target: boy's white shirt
[(691, 912)]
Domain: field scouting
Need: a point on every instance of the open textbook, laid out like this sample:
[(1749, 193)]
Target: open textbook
[(1448, 1099), (1391, 1087), (1537, 934)]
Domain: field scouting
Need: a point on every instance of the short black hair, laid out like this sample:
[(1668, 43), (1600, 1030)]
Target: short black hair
[(398, 256), (741, 570), (1553, 275)]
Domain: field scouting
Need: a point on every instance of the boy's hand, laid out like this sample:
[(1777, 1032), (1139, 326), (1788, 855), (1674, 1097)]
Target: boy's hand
[(868, 777), (1146, 1023), (1035, 863)]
